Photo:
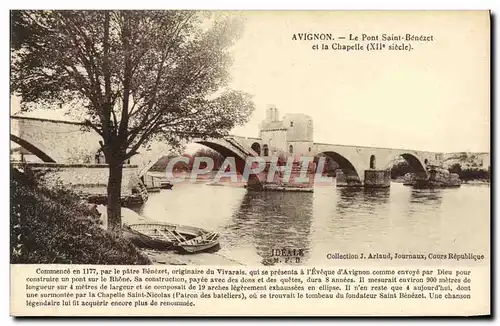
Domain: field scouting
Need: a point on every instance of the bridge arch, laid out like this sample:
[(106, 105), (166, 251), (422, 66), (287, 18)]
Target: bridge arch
[(32, 149), (225, 151), (345, 165), (416, 164), (227, 147)]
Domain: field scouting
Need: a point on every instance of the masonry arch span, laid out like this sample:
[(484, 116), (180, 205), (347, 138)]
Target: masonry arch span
[(32, 149), (414, 162), (413, 165), (226, 152), (344, 164), (223, 147)]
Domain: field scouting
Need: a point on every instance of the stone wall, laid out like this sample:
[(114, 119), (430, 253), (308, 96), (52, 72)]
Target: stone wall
[(276, 140), (64, 142), (91, 178), (301, 148), (299, 127)]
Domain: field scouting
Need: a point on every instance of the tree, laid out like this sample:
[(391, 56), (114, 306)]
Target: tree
[(161, 164), (400, 168), (455, 168), (217, 158), (139, 76)]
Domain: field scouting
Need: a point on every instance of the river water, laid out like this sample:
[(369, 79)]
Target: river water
[(330, 220)]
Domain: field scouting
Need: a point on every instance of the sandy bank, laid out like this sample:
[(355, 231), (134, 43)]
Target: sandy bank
[(172, 258)]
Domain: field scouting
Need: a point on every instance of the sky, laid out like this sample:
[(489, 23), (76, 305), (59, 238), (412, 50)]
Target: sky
[(434, 98)]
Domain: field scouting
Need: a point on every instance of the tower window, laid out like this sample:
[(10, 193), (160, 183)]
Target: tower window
[(291, 123)]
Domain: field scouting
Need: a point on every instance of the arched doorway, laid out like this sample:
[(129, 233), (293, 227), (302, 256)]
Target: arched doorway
[(256, 147), (290, 149), (266, 150), (372, 162)]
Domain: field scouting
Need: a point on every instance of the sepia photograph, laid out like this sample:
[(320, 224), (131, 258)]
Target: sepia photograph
[(209, 138)]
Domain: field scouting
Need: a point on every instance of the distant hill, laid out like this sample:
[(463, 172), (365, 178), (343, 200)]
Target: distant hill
[(468, 160)]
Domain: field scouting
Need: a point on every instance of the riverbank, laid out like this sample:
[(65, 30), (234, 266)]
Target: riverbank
[(166, 257), (465, 182), (172, 258), (476, 182), (54, 226)]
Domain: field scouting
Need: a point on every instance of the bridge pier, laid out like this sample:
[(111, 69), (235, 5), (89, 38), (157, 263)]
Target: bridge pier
[(343, 180), (377, 179), (373, 179)]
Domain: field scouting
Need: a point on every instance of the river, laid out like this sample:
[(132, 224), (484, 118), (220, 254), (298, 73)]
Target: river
[(329, 220)]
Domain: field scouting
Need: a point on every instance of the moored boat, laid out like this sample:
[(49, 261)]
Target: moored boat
[(166, 185), (143, 240), (202, 243), (165, 236)]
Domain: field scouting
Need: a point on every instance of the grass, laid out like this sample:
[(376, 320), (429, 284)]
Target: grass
[(53, 226)]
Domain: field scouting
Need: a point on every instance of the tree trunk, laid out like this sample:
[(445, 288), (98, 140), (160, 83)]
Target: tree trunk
[(114, 197)]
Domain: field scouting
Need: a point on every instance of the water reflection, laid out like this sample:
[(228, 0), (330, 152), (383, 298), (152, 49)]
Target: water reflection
[(427, 196), (352, 200), (331, 219), (274, 220)]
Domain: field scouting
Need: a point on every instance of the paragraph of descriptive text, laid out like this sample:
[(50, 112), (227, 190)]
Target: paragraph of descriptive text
[(135, 287), (156, 290)]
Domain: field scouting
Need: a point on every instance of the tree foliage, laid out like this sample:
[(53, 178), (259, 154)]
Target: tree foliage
[(138, 76), (400, 169), (455, 168)]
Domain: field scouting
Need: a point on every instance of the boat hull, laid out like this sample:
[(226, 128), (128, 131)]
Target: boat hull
[(166, 185), (205, 242), (144, 241), (193, 249), (166, 236)]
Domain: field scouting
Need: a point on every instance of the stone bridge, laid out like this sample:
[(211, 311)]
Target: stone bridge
[(71, 142)]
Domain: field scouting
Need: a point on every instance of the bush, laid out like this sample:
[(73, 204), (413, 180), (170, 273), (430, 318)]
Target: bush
[(400, 169), (50, 226), (474, 174)]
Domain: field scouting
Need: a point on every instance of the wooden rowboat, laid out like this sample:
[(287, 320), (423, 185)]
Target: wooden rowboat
[(166, 185), (201, 243), (143, 240), (165, 236)]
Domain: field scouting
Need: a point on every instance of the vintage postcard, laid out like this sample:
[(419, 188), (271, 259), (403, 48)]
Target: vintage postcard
[(250, 163)]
